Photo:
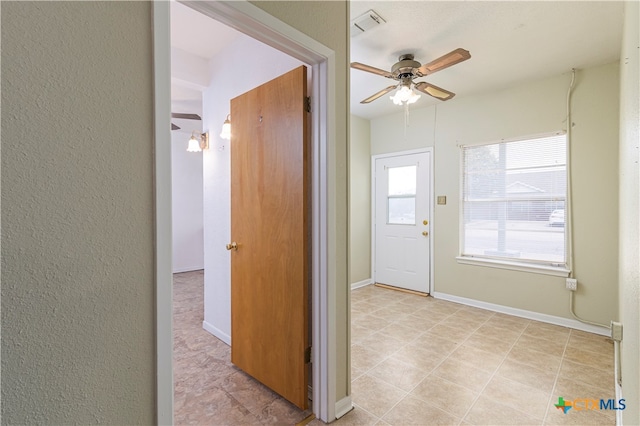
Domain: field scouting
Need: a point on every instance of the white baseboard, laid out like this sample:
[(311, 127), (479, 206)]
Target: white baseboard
[(188, 269), (217, 332), (550, 319), (343, 406), (361, 283)]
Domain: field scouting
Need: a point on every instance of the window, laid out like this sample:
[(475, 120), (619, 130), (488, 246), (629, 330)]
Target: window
[(513, 202), (401, 195)]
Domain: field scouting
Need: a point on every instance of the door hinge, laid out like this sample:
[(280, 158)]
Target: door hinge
[(307, 104), (307, 355)]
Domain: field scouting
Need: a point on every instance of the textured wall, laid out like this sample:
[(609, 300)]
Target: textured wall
[(328, 22), (533, 108), (629, 206), (359, 200), (77, 213)]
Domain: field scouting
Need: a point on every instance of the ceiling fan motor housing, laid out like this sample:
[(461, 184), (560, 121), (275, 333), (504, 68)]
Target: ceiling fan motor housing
[(405, 66)]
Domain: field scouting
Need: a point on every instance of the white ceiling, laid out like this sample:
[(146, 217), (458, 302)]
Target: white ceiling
[(204, 37), (196, 33), (510, 42)]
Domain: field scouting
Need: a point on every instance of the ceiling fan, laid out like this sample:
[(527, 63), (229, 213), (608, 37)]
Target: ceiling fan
[(184, 116), (407, 69)]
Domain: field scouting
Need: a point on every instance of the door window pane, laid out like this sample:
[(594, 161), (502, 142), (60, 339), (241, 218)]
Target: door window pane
[(402, 180), (402, 211), (401, 196)]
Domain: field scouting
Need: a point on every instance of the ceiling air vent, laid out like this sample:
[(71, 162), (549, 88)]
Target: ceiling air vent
[(365, 22)]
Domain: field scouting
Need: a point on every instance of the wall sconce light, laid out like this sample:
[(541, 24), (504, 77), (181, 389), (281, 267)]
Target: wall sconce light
[(198, 142), (226, 128)]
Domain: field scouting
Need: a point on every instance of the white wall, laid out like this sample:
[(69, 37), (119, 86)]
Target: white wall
[(186, 191), (529, 109), (629, 206), (247, 64)]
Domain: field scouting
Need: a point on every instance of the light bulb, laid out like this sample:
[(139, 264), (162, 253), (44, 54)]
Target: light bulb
[(194, 145), (226, 129), (405, 95)]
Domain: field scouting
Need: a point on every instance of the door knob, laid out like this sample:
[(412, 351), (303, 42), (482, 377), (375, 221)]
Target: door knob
[(232, 246), (425, 233)]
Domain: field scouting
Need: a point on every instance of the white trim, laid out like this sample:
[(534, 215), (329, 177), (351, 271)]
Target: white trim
[(536, 316), (617, 369), (256, 23), (432, 216), (343, 406), (430, 151), (557, 271), (217, 332), (162, 212), (188, 269), (362, 283)]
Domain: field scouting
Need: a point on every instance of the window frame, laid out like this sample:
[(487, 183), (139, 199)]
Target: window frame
[(561, 269)]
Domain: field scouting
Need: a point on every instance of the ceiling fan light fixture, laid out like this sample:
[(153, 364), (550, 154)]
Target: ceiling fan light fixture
[(226, 128), (405, 95)]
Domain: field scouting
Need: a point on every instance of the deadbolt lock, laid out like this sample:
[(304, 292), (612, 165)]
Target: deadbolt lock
[(425, 222), (232, 246)]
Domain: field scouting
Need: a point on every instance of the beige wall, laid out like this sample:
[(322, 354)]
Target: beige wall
[(328, 22), (77, 213), (359, 200), (529, 109), (629, 207)]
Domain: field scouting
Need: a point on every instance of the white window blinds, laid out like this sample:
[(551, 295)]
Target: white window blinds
[(513, 200)]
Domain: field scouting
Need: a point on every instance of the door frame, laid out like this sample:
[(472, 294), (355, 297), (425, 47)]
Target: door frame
[(428, 150), (256, 23)]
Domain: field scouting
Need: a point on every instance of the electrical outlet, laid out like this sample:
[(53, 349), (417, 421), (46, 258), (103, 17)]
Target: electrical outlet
[(572, 284), (616, 331)]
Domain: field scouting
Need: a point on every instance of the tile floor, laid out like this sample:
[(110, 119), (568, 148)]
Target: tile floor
[(208, 389), (418, 360), (415, 360)]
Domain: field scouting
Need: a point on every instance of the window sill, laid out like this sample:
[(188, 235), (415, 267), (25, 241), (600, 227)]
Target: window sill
[(557, 271)]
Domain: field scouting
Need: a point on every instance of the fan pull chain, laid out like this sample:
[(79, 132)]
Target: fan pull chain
[(406, 118)]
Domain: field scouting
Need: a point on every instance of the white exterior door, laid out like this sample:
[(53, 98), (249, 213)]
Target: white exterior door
[(402, 222)]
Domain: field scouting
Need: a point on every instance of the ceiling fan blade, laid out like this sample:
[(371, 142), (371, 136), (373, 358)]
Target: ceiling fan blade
[(185, 116), (377, 95), (174, 127), (435, 91), (373, 70), (445, 61)]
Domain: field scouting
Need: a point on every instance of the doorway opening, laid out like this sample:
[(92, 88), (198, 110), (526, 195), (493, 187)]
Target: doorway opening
[(257, 24)]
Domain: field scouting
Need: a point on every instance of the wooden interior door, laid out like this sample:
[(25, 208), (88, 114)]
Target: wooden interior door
[(270, 223)]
